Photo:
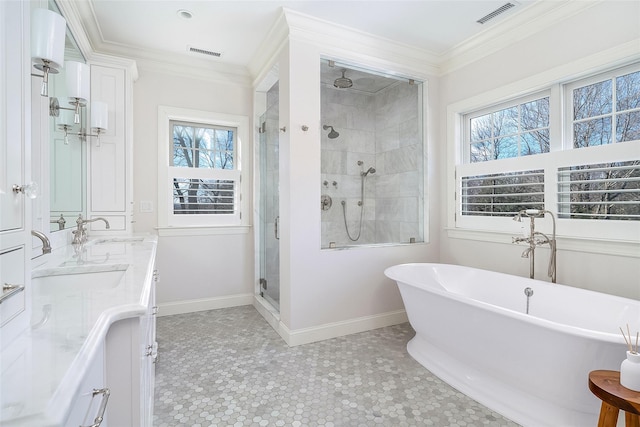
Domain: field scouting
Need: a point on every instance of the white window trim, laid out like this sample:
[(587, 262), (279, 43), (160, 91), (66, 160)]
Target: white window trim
[(189, 223), (553, 78), (568, 93)]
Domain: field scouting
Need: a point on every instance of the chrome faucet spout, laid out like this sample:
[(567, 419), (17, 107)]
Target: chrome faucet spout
[(46, 244), (80, 234), (107, 226)]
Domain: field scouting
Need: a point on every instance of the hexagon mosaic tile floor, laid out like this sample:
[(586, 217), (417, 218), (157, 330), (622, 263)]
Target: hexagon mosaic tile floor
[(228, 367)]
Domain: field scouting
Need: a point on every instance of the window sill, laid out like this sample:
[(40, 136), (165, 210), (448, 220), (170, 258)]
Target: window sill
[(627, 248), (202, 231)]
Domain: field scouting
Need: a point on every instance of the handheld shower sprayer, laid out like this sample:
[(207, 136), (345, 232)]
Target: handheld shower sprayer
[(368, 171)]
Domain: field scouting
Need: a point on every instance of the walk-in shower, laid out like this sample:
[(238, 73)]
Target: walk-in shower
[(372, 158)]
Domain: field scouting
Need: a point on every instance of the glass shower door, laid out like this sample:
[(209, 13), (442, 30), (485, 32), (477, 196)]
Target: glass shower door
[(269, 202)]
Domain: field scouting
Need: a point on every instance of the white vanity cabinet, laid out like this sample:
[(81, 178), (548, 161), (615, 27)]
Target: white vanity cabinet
[(92, 398), (15, 88), (131, 352), (13, 68), (12, 298)]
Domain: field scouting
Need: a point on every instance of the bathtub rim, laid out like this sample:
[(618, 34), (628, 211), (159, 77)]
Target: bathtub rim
[(615, 338)]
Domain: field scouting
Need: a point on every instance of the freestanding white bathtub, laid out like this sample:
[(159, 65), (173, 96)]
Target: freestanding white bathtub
[(472, 332)]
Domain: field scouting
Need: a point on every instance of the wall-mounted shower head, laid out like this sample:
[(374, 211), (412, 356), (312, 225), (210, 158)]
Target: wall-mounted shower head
[(371, 170), (332, 133), (343, 82)]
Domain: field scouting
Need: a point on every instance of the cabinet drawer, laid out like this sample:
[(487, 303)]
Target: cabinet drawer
[(12, 274), (87, 404)]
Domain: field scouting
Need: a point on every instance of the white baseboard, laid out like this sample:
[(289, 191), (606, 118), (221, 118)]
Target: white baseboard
[(347, 327), (291, 337), (338, 329), (202, 304)]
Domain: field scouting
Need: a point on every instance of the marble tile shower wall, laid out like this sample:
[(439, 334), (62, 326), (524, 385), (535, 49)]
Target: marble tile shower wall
[(382, 130), (400, 188)]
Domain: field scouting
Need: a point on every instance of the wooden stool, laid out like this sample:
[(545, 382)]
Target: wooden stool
[(606, 386)]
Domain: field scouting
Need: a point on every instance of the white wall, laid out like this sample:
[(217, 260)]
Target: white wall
[(322, 287), (607, 26), (203, 271)]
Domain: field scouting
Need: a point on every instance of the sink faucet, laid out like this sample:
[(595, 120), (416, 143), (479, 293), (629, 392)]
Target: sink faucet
[(60, 221), (46, 245), (80, 234), (537, 238)]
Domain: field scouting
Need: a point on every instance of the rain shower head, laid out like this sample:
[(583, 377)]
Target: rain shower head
[(332, 133), (343, 82)]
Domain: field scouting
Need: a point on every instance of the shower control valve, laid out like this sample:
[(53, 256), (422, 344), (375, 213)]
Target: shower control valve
[(325, 202)]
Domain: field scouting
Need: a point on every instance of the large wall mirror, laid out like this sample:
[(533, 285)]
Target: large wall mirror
[(67, 151)]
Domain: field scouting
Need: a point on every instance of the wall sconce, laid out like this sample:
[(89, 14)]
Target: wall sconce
[(47, 44), (78, 83), (99, 123), (99, 119), (78, 79)]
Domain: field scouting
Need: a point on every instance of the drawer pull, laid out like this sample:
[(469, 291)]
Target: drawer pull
[(103, 405), (10, 290)]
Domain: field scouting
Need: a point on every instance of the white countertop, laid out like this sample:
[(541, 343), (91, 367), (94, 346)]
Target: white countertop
[(42, 369)]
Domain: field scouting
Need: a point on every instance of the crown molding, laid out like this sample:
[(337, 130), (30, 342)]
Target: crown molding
[(273, 43), (196, 69), (71, 13), (360, 46), (335, 40), (82, 21), (525, 23)]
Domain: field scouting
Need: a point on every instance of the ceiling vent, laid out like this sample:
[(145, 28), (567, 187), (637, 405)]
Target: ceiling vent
[(205, 52), (495, 13)]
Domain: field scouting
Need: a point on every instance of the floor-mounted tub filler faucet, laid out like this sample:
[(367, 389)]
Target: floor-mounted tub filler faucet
[(536, 238)]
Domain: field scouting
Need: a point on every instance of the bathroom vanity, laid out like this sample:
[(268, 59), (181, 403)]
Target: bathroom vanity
[(88, 355)]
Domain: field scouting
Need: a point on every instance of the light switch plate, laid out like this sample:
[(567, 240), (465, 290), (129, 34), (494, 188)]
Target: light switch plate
[(146, 206)]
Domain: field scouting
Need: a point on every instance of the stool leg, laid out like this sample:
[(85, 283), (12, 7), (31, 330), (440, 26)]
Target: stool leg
[(631, 420), (608, 415)]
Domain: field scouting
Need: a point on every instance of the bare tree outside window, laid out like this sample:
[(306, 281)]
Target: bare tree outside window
[(600, 191), (521, 130), (502, 194), (203, 147), (609, 106)]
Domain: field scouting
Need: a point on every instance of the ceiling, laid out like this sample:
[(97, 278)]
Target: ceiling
[(156, 30)]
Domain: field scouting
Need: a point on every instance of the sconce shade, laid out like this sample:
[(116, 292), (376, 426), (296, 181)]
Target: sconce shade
[(65, 116), (47, 38), (99, 115), (78, 80)]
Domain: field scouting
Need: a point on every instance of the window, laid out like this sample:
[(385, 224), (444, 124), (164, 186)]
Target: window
[(198, 147), (200, 176), (600, 191), (606, 111), (518, 130), (517, 155), (502, 194)]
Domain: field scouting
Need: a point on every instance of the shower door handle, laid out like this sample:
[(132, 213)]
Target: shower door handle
[(277, 223)]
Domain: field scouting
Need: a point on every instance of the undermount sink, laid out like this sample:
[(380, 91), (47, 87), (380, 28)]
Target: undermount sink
[(81, 278), (119, 240)]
